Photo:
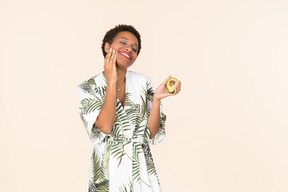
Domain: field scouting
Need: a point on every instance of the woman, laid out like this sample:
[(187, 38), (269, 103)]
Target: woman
[(122, 113)]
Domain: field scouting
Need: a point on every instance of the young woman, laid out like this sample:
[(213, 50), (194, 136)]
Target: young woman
[(122, 114)]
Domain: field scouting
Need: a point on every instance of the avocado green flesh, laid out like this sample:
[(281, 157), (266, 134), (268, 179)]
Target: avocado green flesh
[(171, 84)]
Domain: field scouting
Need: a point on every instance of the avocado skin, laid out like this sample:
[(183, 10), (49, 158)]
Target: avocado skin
[(169, 88)]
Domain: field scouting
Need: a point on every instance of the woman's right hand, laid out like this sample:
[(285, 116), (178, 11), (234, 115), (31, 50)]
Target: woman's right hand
[(110, 71)]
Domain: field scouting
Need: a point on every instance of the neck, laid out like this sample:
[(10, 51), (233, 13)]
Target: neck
[(121, 74)]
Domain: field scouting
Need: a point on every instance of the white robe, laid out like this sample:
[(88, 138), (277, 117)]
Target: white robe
[(121, 160)]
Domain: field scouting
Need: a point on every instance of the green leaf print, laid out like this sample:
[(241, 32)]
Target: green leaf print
[(137, 148), (98, 183), (127, 146), (117, 150), (107, 155), (126, 188), (149, 160), (121, 121), (85, 86), (89, 105), (150, 92), (101, 91)]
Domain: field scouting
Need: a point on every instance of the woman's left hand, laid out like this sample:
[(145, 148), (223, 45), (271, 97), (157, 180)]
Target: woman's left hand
[(162, 91)]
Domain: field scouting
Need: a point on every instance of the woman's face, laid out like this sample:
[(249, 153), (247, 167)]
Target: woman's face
[(126, 46)]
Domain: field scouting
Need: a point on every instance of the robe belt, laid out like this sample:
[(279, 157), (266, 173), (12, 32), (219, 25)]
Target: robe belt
[(124, 139)]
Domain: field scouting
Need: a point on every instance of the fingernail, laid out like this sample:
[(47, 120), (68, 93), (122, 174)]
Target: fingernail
[(110, 49)]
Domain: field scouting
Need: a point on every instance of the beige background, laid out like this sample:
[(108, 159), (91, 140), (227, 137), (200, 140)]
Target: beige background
[(226, 131)]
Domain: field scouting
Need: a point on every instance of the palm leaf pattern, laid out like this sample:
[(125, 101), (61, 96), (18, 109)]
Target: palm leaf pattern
[(149, 161), (99, 181), (93, 101), (126, 188), (117, 146)]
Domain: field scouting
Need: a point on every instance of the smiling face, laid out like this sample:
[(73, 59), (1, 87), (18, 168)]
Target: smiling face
[(126, 46)]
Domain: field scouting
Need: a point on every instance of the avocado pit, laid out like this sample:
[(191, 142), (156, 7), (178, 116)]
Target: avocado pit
[(171, 84)]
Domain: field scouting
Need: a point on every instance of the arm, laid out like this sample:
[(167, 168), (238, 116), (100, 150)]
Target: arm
[(154, 118), (106, 117)]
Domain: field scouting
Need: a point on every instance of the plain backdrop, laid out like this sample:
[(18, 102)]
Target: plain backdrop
[(226, 130)]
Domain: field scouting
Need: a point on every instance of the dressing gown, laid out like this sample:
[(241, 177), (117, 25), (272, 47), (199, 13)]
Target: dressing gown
[(121, 161)]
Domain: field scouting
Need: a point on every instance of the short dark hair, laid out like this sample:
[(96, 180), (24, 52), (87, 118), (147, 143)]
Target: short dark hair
[(110, 35)]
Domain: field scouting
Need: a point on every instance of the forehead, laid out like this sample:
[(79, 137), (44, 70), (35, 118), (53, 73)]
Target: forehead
[(127, 35)]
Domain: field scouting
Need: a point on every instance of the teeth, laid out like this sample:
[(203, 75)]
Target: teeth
[(126, 55)]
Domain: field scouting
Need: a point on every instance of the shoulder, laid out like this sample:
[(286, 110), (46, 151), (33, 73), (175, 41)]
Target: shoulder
[(139, 77), (140, 80), (94, 87), (93, 81)]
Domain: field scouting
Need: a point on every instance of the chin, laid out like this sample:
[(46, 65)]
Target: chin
[(123, 65)]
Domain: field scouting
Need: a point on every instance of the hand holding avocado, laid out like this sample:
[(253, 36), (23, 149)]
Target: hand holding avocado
[(171, 86)]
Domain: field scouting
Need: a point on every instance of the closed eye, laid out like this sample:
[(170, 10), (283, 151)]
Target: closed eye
[(124, 43)]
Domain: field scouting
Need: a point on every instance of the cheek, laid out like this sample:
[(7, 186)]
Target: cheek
[(114, 46)]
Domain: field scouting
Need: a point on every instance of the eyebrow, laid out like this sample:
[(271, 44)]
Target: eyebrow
[(127, 39)]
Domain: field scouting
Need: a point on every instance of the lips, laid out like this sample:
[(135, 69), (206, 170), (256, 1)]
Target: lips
[(125, 54)]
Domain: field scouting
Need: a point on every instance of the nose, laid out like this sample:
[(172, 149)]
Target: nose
[(128, 49)]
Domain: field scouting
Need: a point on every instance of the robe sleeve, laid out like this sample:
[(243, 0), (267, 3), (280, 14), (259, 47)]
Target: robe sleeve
[(90, 105), (161, 134)]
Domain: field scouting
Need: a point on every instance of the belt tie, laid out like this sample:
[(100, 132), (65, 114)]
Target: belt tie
[(109, 139)]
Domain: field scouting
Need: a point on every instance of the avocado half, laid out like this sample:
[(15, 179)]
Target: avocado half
[(171, 84)]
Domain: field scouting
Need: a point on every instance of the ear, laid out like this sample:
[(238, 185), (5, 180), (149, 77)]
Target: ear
[(107, 47)]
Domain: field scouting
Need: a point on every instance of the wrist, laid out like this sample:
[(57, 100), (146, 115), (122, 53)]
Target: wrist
[(156, 99), (111, 84)]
